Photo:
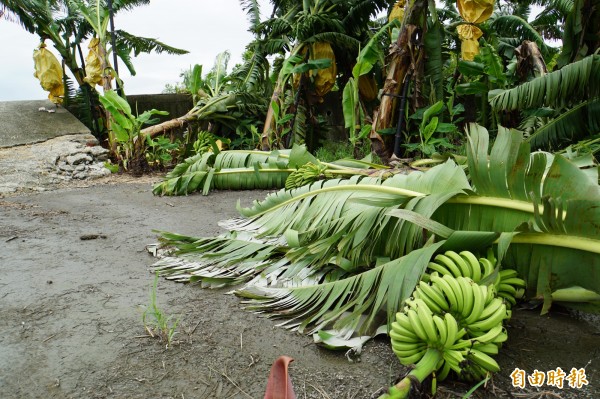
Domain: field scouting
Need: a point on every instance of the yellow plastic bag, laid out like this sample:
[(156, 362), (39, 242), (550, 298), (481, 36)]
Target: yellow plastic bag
[(475, 11), (296, 77), (49, 71), (367, 87), (397, 11), (324, 78), (469, 36), (93, 64)]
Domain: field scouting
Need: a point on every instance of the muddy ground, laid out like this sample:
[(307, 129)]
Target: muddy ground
[(74, 283)]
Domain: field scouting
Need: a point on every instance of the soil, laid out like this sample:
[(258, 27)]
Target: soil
[(75, 282)]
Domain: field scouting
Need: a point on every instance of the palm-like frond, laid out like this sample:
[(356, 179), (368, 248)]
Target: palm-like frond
[(549, 23), (434, 64), (252, 9), (573, 83), (564, 6), (144, 44), (561, 194), (29, 13), (355, 305), (340, 40), (254, 72), (275, 27), (357, 14), (513, 25), (568, 126), (119, 5), (217, 77), (246, 170)]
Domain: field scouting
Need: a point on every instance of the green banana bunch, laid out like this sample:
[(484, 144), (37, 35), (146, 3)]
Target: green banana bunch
[(451, 324), (306, 174), (465, 264), (204, 142)]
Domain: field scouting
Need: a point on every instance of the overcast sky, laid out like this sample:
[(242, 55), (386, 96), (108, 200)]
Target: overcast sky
[(203, 27)]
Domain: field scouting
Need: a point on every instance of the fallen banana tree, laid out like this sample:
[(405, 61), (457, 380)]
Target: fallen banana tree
[(247, 170), (338, 258)]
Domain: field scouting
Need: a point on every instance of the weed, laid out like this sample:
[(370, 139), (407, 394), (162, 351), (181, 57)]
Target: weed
[(157, 323), (333, 150)]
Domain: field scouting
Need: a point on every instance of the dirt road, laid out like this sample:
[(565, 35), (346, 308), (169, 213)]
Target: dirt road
[(74, 282)]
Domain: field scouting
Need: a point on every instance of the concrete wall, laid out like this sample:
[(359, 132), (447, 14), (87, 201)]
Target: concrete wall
[(175, 104)]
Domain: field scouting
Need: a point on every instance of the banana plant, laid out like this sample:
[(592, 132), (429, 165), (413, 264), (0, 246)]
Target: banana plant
[(354, 116), (570, 97), (125, 128), (246, 170), (97, 16), (336, 257)]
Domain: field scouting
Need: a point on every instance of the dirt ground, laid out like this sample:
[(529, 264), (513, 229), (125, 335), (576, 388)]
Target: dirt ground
[(74, 283)]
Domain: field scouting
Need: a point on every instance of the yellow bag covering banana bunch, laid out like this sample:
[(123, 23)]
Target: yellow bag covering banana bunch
[(469, 36), (367, 87), (324, 79), (49, 71), (397, 11), (296, 77), (475, 12), (93, 64)]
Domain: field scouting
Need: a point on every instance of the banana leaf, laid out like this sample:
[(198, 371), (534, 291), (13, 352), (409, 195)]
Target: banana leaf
[(583, 120), (336, 255), (234, 170), (247, 170), (575, 82)]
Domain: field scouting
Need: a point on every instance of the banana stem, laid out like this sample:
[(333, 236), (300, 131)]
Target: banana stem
[(423, 369), (348, 172)]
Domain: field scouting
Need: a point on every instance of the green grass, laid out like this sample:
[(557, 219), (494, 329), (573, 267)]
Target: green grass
[(156, 322), (333, 150)]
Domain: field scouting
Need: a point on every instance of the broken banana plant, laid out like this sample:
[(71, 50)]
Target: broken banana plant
[(247, 170), (338, 258)]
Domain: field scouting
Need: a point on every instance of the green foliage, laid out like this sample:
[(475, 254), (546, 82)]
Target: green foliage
[(127, 127), (428, 126), (331, 151), (246, 170), (156, 322), (160, 151), (568, 99), (575, 82), (281, 125), (343, 255), (234, 170), (354, 116)]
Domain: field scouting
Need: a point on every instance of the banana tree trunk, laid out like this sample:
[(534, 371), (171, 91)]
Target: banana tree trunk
[(401, 55), (269, 129), (166, 127), (106, 85)]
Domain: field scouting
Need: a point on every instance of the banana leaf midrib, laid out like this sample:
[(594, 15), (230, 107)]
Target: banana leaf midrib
[(287, 156), (233, 171), (465, 200), (564, 241), (347, 172)]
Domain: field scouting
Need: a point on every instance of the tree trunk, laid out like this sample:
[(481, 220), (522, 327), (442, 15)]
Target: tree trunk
[(106, 85), (269, 129), (401, 56), (165, 127)]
